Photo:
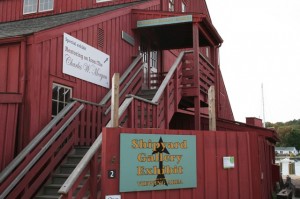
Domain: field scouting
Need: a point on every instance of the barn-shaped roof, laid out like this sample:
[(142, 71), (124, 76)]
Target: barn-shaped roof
[(29, 26)]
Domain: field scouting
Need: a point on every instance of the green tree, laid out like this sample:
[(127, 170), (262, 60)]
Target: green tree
[(289, 133)]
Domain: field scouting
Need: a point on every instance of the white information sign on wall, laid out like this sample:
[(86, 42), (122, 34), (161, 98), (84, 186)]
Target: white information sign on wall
[(85, 62), (228, 162), (113, 197)]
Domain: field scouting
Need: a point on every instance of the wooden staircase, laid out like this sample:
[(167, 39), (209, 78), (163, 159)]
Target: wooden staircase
[(50, 189), (152, 108)]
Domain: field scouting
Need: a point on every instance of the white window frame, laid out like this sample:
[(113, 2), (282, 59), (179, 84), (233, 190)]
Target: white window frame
[(34, 4), (171, 5), (49, 9), (37, 4), (183, 7), (57, 100)]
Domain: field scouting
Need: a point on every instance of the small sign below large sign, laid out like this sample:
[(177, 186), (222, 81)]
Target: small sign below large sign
[(85, 62), (157, 162)]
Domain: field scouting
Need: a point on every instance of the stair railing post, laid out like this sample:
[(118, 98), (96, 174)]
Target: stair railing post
[(115, 100), (196, 75), (212, 108)]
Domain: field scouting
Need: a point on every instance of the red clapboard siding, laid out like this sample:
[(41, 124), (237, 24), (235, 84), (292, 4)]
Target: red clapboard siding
[(9, 68), (213, 181), (8, 124)]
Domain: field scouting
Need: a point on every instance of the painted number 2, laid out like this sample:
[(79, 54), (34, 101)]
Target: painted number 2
[(111, 173)]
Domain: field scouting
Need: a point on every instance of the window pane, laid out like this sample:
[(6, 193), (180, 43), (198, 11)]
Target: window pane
[(61, 94), (54, 108), (60, 97), (54, 92), (29, 6), (67, 95), (171, 5), (45, 5), (61, 106)]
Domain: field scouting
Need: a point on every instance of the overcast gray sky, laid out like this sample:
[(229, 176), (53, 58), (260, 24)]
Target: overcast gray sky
[(261, 46)]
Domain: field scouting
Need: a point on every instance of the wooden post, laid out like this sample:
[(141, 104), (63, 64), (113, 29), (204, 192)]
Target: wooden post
[(115, 100), (196, 76), (212, 108)]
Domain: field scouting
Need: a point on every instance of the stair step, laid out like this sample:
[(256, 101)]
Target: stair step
[(147, 94), (66, 168), (59, 178), (80, 150), (52, 189), (74, 159), (148, 91), (46, 197)]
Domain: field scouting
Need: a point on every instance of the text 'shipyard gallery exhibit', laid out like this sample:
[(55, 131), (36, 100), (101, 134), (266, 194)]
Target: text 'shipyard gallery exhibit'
[(157, 162)]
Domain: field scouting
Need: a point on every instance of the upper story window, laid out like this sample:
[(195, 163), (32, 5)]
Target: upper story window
[(183, 7), (33, 6), (171, 6), (45, 5)]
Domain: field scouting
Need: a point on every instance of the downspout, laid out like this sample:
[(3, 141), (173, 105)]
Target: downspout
[(22, 80)]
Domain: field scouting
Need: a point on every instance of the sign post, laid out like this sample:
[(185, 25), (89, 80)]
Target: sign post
[(115, 100)]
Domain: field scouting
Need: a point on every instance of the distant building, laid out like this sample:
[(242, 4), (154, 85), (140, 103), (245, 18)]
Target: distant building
[(286, 150)]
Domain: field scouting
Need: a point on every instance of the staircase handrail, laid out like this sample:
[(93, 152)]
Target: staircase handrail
[(65, 188), (81, 166), (168, 77), (126, 86), (141, 99), (85, 102), (17, 160), (206, 60), (122, 78), (41, 152)]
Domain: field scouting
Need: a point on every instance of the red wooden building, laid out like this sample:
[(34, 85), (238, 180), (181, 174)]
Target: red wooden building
[(166, 52)]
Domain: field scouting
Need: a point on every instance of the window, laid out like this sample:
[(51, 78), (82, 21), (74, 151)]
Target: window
[(45, 5), (30, 6), (207, 49), (60, 97), (183, 7), (33, 6), (171, 5)]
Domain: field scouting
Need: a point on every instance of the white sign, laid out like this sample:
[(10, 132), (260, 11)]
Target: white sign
[(164, 21), (85, 62), (228, 162), (113, 197)]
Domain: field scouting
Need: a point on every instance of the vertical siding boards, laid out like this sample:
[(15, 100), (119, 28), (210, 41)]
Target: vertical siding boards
[(213, 181), (233, 180), (8, 124), (9, 68), (9, 84)]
